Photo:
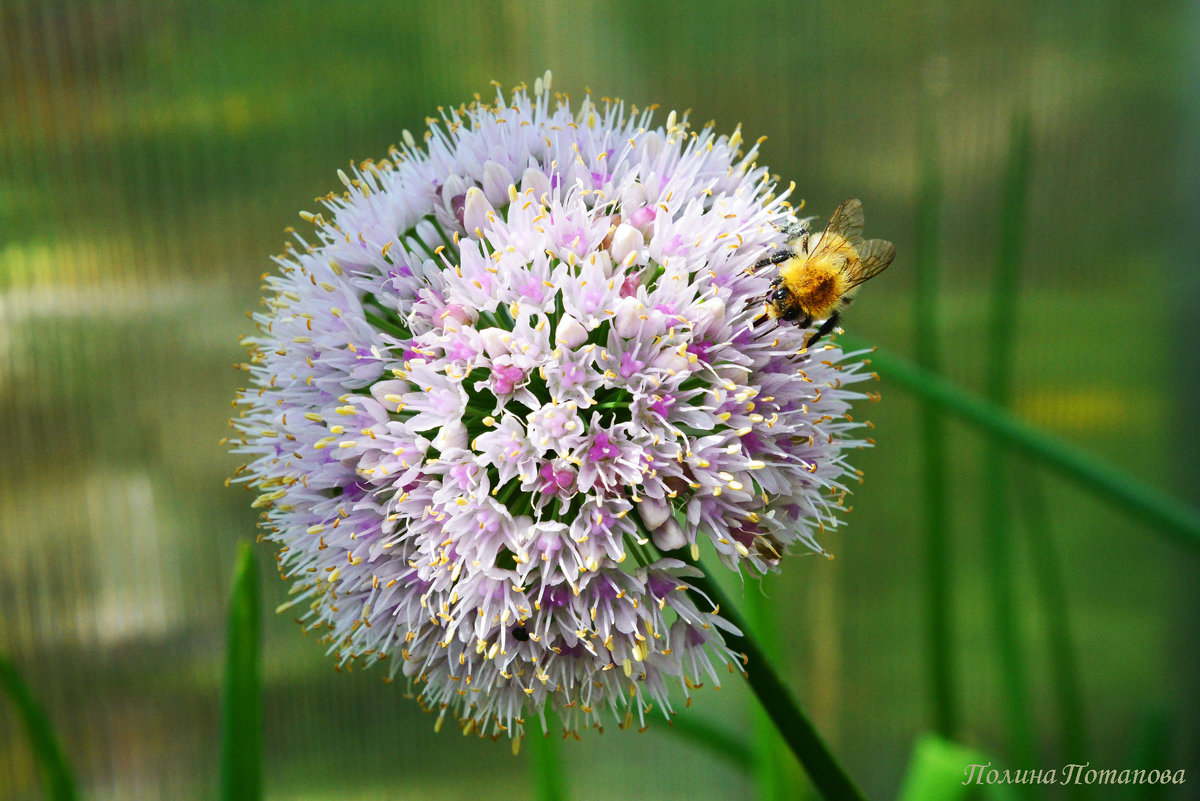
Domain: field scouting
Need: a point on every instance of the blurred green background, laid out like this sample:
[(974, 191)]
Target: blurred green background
[(152, 153)]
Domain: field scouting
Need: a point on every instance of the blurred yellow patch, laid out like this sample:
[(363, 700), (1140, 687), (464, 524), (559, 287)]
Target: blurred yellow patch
[(1086, 408), (234, 113), (24, 264)]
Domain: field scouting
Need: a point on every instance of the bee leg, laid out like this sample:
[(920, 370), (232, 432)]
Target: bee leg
[(794, 230), (778, 257), (825, 328)]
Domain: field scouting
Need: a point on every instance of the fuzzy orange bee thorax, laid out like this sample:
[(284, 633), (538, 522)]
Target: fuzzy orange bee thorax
[(817, 284)]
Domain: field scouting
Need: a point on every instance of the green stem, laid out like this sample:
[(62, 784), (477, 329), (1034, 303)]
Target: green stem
[(802, 737), (47, 753), (768, 766), (997, 519), (610, 405), (1177, 519), (413, 236), (637, 551), (241, 708), (449, 241), (549, 784), (387, 326)]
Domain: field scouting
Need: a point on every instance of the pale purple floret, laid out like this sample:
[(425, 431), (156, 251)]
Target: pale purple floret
[(556, 479), (505, 377), (510, 389), (602, 448)]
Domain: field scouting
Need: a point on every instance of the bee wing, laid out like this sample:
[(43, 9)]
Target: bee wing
[(842, 234), (874, 256), (847, 221)]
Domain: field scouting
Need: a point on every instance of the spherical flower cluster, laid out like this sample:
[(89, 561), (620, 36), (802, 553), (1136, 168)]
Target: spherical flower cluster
[(513, 386)]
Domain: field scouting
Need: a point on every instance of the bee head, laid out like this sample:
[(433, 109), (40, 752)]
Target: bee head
[(783, 303)]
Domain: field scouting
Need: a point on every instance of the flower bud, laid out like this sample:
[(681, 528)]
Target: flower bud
[(673, 360), (630, 312), (454, 192), (537, 181), (476, 209), (451, 436), (495, 341), (570, 332), (625, 240), (668, 536), (653, 511), (496, 180)]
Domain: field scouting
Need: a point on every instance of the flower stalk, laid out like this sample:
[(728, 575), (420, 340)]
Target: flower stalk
[(797, 730)]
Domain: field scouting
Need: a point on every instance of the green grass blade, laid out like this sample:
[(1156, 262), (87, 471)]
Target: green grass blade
[(47, 753), (1175, 518), (940, 770), (936, 771), (548, 781), (997, 518), (1005, 287), (1047, 578), (938, 605), (241, 713)]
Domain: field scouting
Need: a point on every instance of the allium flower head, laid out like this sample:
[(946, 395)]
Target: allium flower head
[(512, 386)]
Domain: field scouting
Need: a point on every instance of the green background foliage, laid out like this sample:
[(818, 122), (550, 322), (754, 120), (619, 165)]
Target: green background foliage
[(152, 154)]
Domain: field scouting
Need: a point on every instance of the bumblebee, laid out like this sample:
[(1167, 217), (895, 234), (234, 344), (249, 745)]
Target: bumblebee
[(818, 276)]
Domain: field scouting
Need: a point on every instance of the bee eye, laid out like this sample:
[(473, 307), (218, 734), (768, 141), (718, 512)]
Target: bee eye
[(779, 294)]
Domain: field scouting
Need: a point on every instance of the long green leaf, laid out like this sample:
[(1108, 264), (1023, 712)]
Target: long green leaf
[(241, 713), (1047, 578), (52, 764), (938, 603), (997, 525), (1175, 518)]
